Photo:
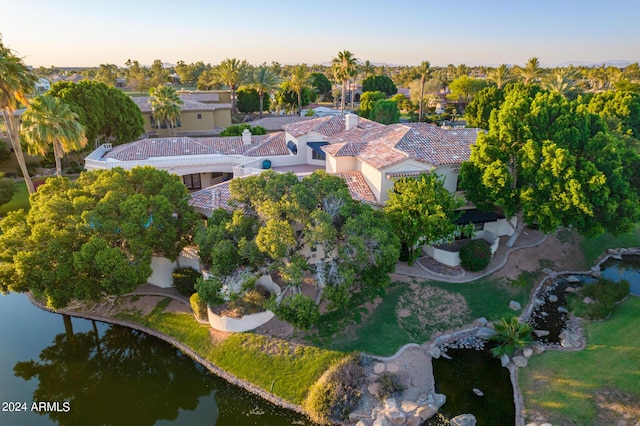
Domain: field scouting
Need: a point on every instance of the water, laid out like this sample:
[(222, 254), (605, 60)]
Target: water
[(626, 269), (112, 375)]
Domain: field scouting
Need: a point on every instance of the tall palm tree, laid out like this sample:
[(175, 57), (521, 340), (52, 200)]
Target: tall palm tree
[(367, 68), (531, 71), (49, 122), (561, 80), (165, 106), (424, 69), (16, 82), (232, 72), (500, 76), (264, 81), (345, 67), (299, 79)]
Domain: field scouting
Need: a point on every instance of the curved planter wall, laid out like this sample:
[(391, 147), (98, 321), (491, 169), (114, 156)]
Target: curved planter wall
[(452, 258)]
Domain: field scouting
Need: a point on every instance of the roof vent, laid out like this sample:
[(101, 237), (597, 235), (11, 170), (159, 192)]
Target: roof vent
[(246, 137), (351, 121)]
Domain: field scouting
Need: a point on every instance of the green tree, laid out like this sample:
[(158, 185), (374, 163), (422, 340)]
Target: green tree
[(16, 82), (344, 66), (421, 211), (264, 81), (320, 83), (425, 70), (385, 112), (288, 97), (367, 68), (561, 80), (548, 161), (165, 107), (531, 72), (511, 336), (620, 110), (50, 123), (106, 113), (478, 112), (158, 74), (7, 189), (232, 72), (367, 100), (190, 73), (249, 100), (107, 74), (237, 129), (299, 80), (379, 83), (137, 76), (464, 88), (501, 76)]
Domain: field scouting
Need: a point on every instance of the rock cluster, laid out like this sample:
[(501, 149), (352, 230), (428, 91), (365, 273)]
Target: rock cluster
[(464, 420), (405, 413), (572, 336)]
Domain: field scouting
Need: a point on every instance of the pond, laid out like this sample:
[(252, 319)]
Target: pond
[(627, 268), (95, 373)]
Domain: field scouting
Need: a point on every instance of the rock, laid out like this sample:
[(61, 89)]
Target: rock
[(378, 368), (570, 290), (546, 424), (390, 403), (414, 420), (439, 399), (527, 352), (616, 257), (552, 298), (382, 421), (478, 392), (538, 302), (588, 301), (392, 367), (362, 423), (546, 271), (445, 356), (426, 412), (520, 361), (482, 321), (572, 279), (541, 333), (486, 332), (563, 310), (504, 360), (435, 352), (464, 420), (409, 406), (374, 388), (397, 417), (515, 306), (538, 349)]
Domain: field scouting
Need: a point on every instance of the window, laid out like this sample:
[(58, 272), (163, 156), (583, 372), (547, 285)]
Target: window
[(192, 182), (199, 116), (315, 155)]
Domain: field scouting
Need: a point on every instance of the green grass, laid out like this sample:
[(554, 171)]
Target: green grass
[(594, 247), (19, 201), (562, 384), (261, 360)]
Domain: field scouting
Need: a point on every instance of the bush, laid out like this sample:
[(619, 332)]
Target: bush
[(209, 290), (337, 393), (511, 336), (606, 294), (198, 306), (475, 255), (390, 384), (184, 280), (250, 302), (237, 129), (298, 310)]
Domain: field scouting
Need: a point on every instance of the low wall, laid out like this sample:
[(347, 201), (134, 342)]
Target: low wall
[(162, 268), (452, 258)]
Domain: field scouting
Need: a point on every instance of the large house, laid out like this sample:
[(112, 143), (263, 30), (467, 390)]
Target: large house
[(370, 156)]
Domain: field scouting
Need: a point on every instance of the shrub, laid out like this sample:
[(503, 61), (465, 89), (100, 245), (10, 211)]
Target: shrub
[(475, 255), (250, 302), (390, 384), (198, 306), (298, 310), (209, 290), (337, 393), (511, 336), (184, 280), (606, 293), (224, 258), (237, 129)]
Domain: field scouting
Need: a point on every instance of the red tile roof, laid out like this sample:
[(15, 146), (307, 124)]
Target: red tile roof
[(326, 126), (212, 198), (144, 103), (358, 187)]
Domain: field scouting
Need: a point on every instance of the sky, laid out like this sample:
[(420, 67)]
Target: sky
[(85, 33)]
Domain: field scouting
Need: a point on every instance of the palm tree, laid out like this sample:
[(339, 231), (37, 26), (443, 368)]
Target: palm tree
[(368, 69), (165, 106), (561, 80), (15, 83), (500, 76), (264, 81), (511, 336), (299, 80), (424, 71), (531, 71), (232, 72), (344, 67), (50, 122)]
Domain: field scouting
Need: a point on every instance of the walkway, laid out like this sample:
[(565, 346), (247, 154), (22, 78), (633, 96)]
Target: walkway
[(528, 238), (152, 290)]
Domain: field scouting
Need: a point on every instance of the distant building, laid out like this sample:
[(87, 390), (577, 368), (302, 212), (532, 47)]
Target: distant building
[(42, 85)]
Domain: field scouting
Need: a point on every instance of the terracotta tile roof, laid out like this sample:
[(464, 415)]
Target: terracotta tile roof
[(405, 173), (278, 122), (264, 145), (326, 126), (437, 145), (144, 103), (212, 198), (200, 97), (358, 187)]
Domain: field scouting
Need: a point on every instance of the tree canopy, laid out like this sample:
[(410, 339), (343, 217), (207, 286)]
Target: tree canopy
[(379, 83), (106, 113), (367, 100), (385, 111), (549, 161), (95, 236)]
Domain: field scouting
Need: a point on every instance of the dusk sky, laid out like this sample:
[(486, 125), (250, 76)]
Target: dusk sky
[(474, 32)]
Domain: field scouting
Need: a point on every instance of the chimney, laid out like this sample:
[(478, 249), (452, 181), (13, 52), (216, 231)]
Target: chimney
[(246, 137), (351, 121)]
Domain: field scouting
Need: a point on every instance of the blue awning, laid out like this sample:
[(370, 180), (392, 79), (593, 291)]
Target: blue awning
[(292, 147), (316, 147)]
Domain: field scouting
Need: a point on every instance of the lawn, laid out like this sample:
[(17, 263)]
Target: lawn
[(594, 247), (285, 369), (413, 312), (565, 385), (19, 201)]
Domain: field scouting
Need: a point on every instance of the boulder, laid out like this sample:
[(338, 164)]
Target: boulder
[(588, 301), (382, 421), (482, 321), (486, 332), (390, 403), (616, 257), (477, 392), (378, 368), (541, 333), (546, 271), (538, 349), (397, 417), (374, 389), (538, 302), (546, 424), (563, 310), (553, 298), (515, 306), (426, 412), (520, 361), (362, 423), (414, 420), (504, 360), (570, 290), (439, 399), (392, 367), (409, 406), (435, 352), (572, 279), (527, 352), (464, 420)]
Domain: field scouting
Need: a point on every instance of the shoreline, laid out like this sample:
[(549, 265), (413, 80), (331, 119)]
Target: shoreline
[(248, 386)]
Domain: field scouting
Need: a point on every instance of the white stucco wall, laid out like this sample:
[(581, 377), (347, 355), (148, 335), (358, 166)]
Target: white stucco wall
[(500, 227), (162, 269), (246, 323)]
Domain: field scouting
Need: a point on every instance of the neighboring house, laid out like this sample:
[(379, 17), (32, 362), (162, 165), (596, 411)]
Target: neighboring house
[(369, 156), (121, 83), (200, 113), (42, 85)]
